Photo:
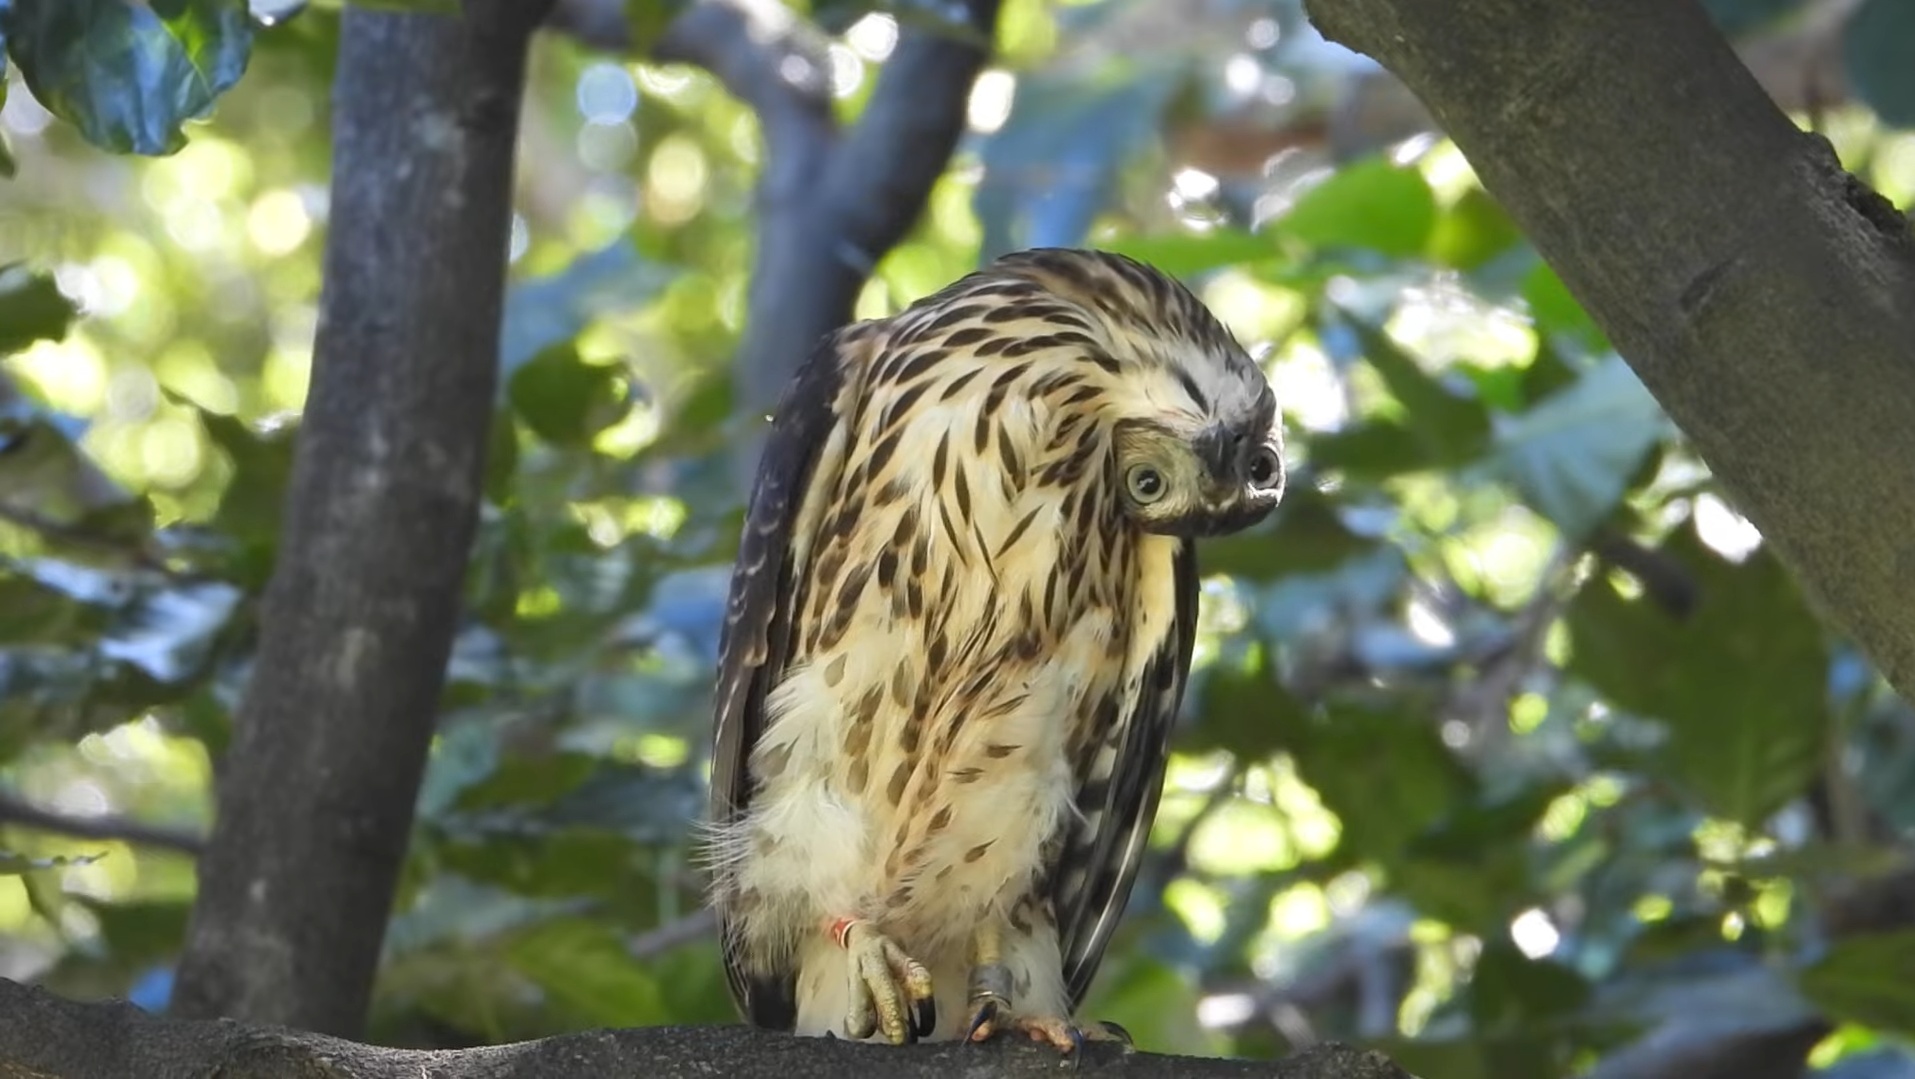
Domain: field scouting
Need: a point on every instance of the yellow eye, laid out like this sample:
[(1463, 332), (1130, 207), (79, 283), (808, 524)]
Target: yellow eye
[(1145, 483)]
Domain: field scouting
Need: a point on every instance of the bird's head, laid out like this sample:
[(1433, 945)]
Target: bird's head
[(1196, 446), (1200, 475)]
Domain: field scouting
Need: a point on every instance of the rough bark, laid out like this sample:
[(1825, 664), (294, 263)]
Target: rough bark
[(1765, 296), (316, 793), (42, 1035)]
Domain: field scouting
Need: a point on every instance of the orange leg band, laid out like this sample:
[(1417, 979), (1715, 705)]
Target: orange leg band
[(839, 930)]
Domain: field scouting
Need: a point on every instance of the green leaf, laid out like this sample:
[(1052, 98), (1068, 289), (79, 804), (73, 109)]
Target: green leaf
[(1472, 231), (424, 7), (141, 931), (1157, 1004), (1510, 992), (1674, 937), (1453, 427), (1384, 800), (1182, 254), (1865, 979), (1571, 456), (250, 508), (32, 308), (1238, 709), (565, 400), (44, 473), (1875, 50), (543, 312), (508, 849), (648, 19), (1306, 535), (584, 968), (1371, 451), (30, 612), (1477, 826), (1370, 204), (537, 779), (1825, 860), (1740, 682), (1556, 311), (501, 459), (697, 421), (129, 74)]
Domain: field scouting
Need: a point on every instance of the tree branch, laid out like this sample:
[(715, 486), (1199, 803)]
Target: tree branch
[(600, 24), (880, 176), (45, 1035), (1765, 296), (830, 204), (772, 61), (316, 792), (1799, 65), (105, 826)]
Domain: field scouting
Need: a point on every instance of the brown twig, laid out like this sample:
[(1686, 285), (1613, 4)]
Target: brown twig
[(106, 826)]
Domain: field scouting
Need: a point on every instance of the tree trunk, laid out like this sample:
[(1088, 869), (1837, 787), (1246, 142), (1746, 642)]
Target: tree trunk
[(316, 792)]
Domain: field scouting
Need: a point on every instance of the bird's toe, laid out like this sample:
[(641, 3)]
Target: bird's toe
[(890, 991)]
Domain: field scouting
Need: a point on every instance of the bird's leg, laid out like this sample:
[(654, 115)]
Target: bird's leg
[(991, 1009), (990, 981), (890, 991)]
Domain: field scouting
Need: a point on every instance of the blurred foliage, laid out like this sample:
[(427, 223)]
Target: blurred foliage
[(1508, 743)]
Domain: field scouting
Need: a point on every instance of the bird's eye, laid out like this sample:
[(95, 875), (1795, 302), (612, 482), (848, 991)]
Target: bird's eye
[(1146, 484), (1265, 468)]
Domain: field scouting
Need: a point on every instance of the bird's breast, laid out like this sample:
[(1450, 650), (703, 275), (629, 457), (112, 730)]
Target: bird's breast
[(970, 598)]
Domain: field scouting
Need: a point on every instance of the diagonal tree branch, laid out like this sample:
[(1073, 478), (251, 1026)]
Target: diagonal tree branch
[(769, 59), (831, 202), (881, 174), (1761, 292)]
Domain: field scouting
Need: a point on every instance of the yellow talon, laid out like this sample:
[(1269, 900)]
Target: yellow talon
[(890, 991)]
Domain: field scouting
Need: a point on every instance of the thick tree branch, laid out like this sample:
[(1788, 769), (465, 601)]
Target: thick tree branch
[(1799, 65), (600, 24), (44, 1035), (1765, 296), (771, 60), (106, 826), (316, 793), (881, 174), (830, 204)]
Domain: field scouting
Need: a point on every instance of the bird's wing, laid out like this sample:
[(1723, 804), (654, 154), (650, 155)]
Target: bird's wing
[(1099, 861), (755, 642)]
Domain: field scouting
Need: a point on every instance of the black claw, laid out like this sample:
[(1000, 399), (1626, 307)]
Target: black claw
[(1122, 1034), (986, 1011), (1074, 1056), (924, 1017)]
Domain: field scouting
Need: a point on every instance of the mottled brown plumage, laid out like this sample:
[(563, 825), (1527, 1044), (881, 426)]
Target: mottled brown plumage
[(958, 632)]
